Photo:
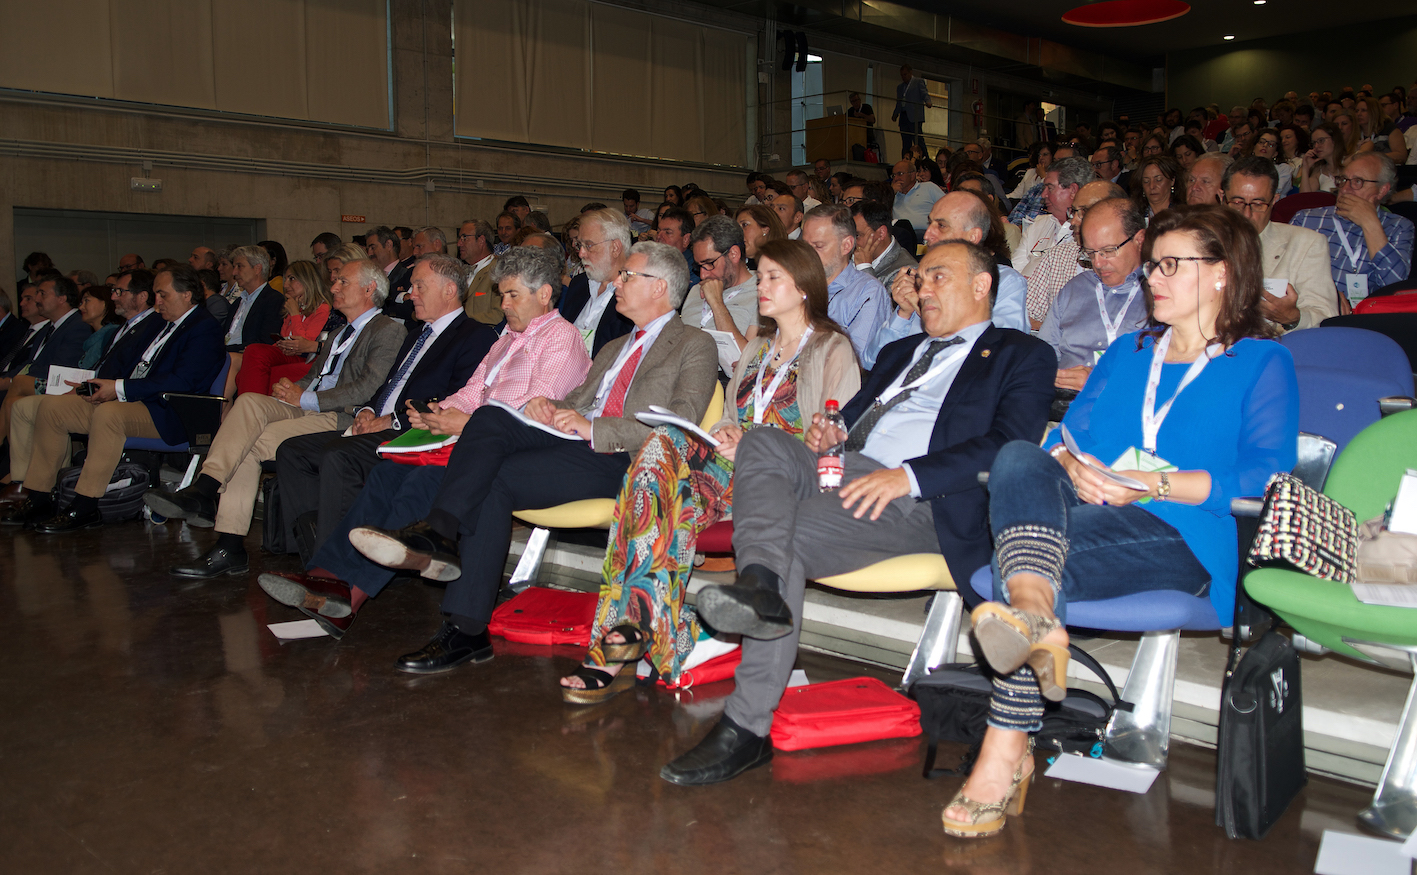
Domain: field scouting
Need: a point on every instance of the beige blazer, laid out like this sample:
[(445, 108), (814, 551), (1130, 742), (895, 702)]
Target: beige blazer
[(828, 369), (482, 302), (1301, 256), (679, 372), (367, 365)]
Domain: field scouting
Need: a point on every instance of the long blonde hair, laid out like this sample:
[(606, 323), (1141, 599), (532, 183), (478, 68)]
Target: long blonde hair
[(317, 291)]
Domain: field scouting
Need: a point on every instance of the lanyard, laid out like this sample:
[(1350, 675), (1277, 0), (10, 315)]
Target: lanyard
[(496, 369), (609, 379), (1354, 252), (760, 400), (1151, 418), (338, 351), (936, 368), (706, 317), (1108, 325)]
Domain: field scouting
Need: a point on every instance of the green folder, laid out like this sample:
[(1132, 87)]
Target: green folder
[(416, 440)]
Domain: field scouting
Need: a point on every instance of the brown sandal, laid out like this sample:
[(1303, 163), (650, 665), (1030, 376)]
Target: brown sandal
[(632, 649), (606, 686), (988, 818), (1007, 635)]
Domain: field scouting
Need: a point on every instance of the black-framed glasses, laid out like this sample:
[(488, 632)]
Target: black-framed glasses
[(1171, 263), (1358, 181), (1074, 212), (1240, 203), (1108, 252), (708, 265)]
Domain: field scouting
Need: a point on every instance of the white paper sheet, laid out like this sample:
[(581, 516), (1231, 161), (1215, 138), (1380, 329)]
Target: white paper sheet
[(1404, 507), (1392, 595), (657, 415), (1102, 773), (728, 351), (1409, 847), (533, 423), (1342, 853), (297, 629), (60, 377), (1110, 475)]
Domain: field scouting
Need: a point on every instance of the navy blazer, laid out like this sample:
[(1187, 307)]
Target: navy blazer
[(400, 281), (612, 324), (265, 318), (445, 367), (1002, 393), (188, 364), (124, 355), (64, 347)]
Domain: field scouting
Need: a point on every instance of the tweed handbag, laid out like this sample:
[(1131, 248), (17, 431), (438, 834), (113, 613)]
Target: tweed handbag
[(1303, 529)]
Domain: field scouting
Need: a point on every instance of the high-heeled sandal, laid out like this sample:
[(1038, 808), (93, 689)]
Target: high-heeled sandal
[(632, 649), (606, 686), (1006, 635), (1050, 663), (988, 818)]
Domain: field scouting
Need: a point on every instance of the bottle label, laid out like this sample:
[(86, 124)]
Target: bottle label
[(829, 472)]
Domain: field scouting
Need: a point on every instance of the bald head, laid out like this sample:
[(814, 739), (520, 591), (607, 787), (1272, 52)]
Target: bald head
[(958, 215), (1207, 178), (1087, 196)]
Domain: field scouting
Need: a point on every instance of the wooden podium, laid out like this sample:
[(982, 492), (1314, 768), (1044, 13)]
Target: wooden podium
[(832, 137)]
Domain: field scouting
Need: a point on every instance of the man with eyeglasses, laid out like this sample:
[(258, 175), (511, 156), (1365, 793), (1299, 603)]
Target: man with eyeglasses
[(801, 189), (913, 200), (589, 300), (1100, 305), (1369, 247), (1298, 287), (1060, 186), (1061, 263), (1107, 163), (726, 297), (475, 243)]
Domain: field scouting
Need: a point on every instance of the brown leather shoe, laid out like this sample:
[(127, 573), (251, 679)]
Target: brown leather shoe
[(13, 493), (324, 596)]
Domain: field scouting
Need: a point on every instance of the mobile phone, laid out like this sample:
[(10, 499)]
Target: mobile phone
[(86, 388), (277, 338), (420, 406)]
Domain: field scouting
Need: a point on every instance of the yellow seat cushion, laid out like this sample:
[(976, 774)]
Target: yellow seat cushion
[(588, 513), (914, 571)]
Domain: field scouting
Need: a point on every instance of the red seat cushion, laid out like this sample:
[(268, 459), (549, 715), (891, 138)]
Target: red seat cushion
[(717, 538)]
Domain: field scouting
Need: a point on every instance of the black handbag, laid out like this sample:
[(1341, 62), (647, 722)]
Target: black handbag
[(121, 501), (954, 705), (274, 532), (1260, 753)]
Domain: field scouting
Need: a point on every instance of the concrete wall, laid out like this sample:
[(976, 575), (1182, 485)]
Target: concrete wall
[(1378, 53)]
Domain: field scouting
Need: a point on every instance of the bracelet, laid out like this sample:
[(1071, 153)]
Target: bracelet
[(1163, 489), (1054, 452)]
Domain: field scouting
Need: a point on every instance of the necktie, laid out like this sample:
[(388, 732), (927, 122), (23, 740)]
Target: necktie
[(397, 382), (332, 365), (856, 439), (615, 404), (25, 351)]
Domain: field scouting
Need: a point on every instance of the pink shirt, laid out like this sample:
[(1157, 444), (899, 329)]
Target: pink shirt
[(547, 360)]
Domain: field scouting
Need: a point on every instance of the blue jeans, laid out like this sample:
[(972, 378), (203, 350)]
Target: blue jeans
[(1112, 551)]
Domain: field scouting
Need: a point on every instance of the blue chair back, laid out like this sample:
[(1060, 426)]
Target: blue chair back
[(1342, 374)]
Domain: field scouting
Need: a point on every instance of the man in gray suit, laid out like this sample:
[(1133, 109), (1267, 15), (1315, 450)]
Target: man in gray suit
[(345, 374), (1298, 279), (500, 464), (912, 96)]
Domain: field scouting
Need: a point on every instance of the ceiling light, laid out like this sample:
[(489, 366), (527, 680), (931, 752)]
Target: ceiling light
[(1259, 2), (1229, 36)]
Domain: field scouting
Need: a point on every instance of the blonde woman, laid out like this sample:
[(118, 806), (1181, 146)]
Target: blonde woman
[(307, 310)]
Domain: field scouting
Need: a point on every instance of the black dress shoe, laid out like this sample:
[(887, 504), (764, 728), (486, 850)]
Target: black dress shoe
[(69, 521), (215, 563), (752, 606), (26, 513), (726, 752), (412, 548), (187, 504), (450, 648)]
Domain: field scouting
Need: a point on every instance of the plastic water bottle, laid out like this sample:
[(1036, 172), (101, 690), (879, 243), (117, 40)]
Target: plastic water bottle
[(830, 464)]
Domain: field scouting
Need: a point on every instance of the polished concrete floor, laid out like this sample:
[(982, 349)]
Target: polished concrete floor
[(156, 726)]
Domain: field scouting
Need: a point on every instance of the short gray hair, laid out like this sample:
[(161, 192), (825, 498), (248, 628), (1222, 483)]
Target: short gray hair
[(1218, 157), (546, 241), (450, 269), (1387, 171), (839, 215), (435, 236), (614, 223), (370, 273), (668, 264), (722, 232), (532, 265), (481, 228), (256, 256), (1073, 171)]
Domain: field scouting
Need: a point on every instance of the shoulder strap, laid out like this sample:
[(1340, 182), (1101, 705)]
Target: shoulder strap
[(1096, 668)]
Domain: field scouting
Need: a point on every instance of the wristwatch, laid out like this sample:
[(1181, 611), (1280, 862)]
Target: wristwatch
[(1163, 489)]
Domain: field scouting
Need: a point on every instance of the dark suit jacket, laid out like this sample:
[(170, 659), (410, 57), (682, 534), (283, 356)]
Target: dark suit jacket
[(612, 324), (188, 363), (64, 347), (400, 281), (124, 355), (365, 366), (16, 359), (12, 333), (1002, 393), (445, 367), (267, 314)]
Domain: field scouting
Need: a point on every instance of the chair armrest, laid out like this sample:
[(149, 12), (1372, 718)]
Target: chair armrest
[(1395, 404), (200, 416), (1246, 507)]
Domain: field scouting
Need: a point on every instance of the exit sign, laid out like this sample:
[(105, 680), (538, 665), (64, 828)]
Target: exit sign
[(352, 219)]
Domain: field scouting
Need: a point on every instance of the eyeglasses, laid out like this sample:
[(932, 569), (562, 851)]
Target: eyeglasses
[(708, 265), (1075, 211), (902, 174), (1240, 203), (628, 273), (1100, 164), (586, 246), (1358, 181), (1108, 252), (1171, 263), (1273, 144)]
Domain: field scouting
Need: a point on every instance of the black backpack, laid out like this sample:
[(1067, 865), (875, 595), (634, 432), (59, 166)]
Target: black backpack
[(123, 500)]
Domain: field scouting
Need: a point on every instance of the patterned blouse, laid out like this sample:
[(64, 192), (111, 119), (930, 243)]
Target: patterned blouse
[(783, 412)]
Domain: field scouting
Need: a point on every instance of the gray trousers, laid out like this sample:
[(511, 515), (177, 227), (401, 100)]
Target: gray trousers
[(782, 522)]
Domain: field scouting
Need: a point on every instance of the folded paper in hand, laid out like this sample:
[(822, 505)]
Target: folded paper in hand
[(1119, 479), (657, 415), (60, 377), (728, 351), (527, 420)]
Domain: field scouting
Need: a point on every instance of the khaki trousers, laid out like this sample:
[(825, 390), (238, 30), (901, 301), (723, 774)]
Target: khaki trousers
[(256, 426), (108, 425), (22, 417)]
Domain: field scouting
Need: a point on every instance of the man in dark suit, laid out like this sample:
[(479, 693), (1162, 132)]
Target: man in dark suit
[(184, 357), (58, 300), (344, 375), (259, 310), (932, 415), (501, 464), (383, 246), (324, 472), (589, 301), (37, 328), (13, 328)]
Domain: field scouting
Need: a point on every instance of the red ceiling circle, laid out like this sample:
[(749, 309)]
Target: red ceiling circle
[(1125, 13)]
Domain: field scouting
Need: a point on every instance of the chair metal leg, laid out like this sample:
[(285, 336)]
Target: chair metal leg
[(1142, 736), (193, 466), (529, 566), (1394, 808), (939, 639)]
